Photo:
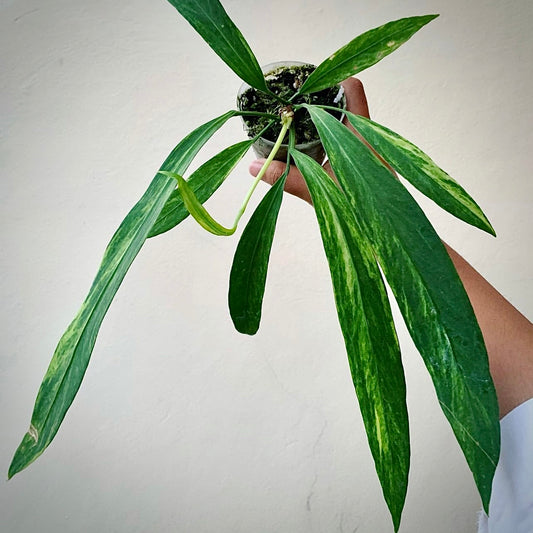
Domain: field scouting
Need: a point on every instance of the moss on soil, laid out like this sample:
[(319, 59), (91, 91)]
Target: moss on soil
[(284, 82)]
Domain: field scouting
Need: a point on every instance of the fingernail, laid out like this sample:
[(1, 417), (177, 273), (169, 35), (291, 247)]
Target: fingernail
[(255, 166)]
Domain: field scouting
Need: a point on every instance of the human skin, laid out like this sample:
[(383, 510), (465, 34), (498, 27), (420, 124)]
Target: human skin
[(507, 333)]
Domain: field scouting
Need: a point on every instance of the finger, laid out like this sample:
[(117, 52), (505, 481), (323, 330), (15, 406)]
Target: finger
[(356, 101), (295, 184)]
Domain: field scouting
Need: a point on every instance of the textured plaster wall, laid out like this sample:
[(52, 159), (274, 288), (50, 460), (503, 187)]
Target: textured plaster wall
[(183, 425)]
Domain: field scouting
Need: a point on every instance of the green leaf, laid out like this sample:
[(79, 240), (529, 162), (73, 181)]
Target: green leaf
[(363, 52), (368, 328), (428, 290), (419, 169), (71, 357), (198, 211), (211, 21), (250, 263), (203, 182)]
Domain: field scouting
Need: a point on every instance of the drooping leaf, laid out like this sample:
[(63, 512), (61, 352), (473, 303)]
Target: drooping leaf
[(198, 211), (204, 182), (363, 52), (250, 263), (368, 328), (211, 21), (71, 357), (419, 169), (431, 297)]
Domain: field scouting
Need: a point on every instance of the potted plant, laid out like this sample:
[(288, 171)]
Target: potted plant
[(369, 225), (283, 79)]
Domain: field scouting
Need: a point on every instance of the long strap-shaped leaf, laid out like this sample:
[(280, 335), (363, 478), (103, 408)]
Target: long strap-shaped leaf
[(71, 357), (429, 293), (419, 169), (204, 182), (211, 21), (368, 328), (363, 52), (250, 263)]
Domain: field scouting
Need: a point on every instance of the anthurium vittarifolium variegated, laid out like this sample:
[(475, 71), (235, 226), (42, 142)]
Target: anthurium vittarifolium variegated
[(369, 225)]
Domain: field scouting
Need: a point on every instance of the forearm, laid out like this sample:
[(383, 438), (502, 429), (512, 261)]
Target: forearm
[(508, 336)]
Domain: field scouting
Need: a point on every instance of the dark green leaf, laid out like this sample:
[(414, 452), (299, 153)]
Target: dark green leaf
[(363, 52), (428, 290), (368, 328), (211, 21), (418, 168), (250, 263), (203, 182), (71, 357)]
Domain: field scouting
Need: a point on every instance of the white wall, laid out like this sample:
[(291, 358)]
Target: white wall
[(183, 425)]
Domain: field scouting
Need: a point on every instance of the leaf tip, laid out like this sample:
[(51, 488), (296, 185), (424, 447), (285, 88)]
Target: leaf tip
[(486, 226), (244, 324), (28, 451), (12, 470), (431, 17), (16, 465)]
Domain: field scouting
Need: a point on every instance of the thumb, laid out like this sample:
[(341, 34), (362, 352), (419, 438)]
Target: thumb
[(274, 171), (356, 101)]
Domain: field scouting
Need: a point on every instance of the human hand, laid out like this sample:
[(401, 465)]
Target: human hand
[(356, 103)]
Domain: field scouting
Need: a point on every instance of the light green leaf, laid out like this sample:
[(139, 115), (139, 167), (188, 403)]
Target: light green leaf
[(198, 211), (204, 182), (250, 263), (419, 169), (211, 21), (363, 52), (369, 334), (71, 357), (428, 290)]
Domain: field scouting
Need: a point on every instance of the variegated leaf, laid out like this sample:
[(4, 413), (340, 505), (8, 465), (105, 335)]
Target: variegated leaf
[(419, 169), (211, 21), (71, 357), (369, 334), (431, 297), (363, 52)]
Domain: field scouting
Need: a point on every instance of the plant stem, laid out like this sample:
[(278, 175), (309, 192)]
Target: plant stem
[(286, 121), (198, 211)]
